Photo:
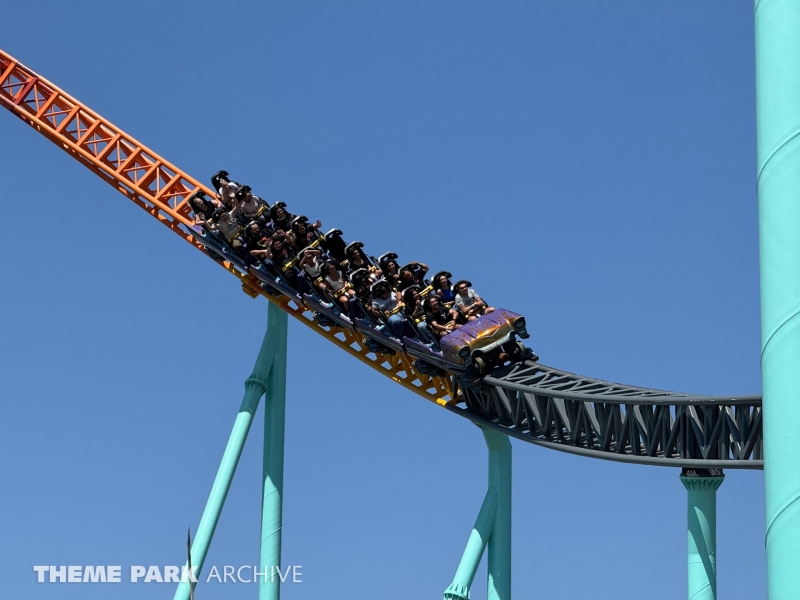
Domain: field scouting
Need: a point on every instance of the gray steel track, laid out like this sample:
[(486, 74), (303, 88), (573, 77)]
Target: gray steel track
[(599, 419)]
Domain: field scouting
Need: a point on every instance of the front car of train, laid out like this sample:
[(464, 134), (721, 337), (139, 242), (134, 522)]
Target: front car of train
[(482, 342)]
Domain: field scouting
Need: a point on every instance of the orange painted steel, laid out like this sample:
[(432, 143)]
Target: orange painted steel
[(163, 190)]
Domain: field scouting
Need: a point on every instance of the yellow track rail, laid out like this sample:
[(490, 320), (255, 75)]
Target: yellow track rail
[(163, 190)]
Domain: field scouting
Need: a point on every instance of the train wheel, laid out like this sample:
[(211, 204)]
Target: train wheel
[(517, 351), (480, 366)]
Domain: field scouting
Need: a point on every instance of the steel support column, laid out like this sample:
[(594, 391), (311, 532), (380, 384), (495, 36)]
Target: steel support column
[(274, 424), (777, 41), (701, 517), (492, 528), (255, 386)]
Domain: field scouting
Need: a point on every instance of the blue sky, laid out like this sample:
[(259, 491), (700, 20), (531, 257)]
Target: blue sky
[(588, 164)]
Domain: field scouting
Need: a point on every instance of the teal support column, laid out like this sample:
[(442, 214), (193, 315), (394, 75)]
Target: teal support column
[(478, 538), (499, 559), (777, 40), (274, 424), (492, 528), (255, 386), (701, 515)]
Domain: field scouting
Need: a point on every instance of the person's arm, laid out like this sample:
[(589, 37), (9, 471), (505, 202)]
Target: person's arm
[(423, 268), (266, 251), (433, 324), (316, 225)]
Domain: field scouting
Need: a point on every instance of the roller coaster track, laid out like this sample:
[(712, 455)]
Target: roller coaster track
[(532, 402)]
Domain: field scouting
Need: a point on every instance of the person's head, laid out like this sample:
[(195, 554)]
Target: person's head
[(254, 229), (277, 211), (381, 289), (330, 268), (411, 296), (406, 274), (277, 244), (224, 216), (462, 287), (198, 203), (443, 281), (432, 303), (300, 228), (391, 267), (243, 194)]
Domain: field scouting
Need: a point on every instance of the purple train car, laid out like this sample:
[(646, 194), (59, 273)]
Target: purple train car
[(481, 343)]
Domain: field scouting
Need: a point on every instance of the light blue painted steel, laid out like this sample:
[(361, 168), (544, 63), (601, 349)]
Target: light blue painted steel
[(492, 528), (499, 559), (255, 386), (478, 538), (274, 424), (777, 40), (701, 516)]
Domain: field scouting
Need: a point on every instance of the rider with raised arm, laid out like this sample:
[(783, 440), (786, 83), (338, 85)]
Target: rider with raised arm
[(304, 232), (412, 274), (225, 189), (229, 227), (205, 211)]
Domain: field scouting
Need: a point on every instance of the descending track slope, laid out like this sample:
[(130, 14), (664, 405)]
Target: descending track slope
[(529, 401)]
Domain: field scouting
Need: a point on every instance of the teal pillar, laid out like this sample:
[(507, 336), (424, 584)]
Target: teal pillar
[(255, 386), (777, 40), (701, 516), (274, 425), (492, 528)]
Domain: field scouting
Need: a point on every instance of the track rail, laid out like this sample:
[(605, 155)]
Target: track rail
[(532, 402), (600, 419)]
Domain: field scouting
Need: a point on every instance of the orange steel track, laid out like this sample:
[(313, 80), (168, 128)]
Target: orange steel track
[(163, 190)]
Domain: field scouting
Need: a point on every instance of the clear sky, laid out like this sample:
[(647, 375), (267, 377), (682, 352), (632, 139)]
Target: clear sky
[(588, 164)]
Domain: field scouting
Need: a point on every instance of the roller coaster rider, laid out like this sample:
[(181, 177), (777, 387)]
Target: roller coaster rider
[(414, 312), (335, 282), (281, 219), (386, 305), (412, 274), (251, 207), (389, 268), (257, 241), (225, 188), (443, 288), (205, 210), (230, 229), (468, 302), (440, 318), (304, 233), (356, 259)]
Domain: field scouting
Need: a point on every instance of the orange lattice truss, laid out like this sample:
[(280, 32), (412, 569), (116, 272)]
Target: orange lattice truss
[(163, 190)]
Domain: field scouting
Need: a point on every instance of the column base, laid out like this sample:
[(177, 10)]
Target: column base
[(456, 591)]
